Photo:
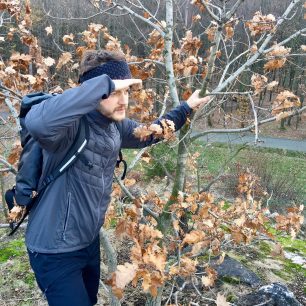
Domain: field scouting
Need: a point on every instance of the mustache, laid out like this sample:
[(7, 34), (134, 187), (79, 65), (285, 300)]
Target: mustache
[(121, 108)]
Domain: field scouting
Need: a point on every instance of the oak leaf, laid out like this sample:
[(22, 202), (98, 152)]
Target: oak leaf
[(221, 300), (209, 280), (259, 82), (193, 237), (272, 85), (49, 61), (10, 70), (68, 39), (64, 59), (125, 274), (49, 30)]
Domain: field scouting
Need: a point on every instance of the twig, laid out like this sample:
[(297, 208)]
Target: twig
[(178, 291), (12, 110), (146, 61), (199, 293), (206, 188), (131, 197), (77, 18), (111, 256), (18, 96), (169, 298), (248, 128), (8, 165), (255, 118)]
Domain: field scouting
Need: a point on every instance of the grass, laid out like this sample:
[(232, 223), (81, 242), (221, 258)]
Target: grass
[(14, 248), (285, 167)]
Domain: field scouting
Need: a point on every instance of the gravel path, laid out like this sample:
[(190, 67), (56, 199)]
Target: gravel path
[(266, 142)]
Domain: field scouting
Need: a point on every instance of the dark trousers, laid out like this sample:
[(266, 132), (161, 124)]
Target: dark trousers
[(69, 279)]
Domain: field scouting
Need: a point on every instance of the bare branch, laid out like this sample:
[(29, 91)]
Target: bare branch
[(211, 13), (77, 18), (168, 53), (18, 96), (222, 169), (155, 26), (111, 257), (233, 10), (248, 128), (147, 60), (8, 165), (296, 34), (12, 110), (255, 117), (131, 197)]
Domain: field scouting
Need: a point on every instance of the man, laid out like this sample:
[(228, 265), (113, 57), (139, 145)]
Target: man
[(63, 230)]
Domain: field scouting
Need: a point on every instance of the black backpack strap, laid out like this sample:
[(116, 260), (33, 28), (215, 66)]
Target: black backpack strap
[(76, 148), (121, 160)]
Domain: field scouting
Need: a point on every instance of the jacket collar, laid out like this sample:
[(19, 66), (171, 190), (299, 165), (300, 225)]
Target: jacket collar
[(99, 120)]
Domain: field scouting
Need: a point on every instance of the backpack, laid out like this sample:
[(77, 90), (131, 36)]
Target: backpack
[(26, 193)]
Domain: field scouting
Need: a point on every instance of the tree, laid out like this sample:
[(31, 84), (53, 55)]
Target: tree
[(185, 45)]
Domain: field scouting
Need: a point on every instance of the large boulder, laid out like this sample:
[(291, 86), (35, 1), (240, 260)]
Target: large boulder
[(275, 294)]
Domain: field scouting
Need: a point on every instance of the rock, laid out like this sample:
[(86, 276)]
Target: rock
[(234, 269), (275, 294)]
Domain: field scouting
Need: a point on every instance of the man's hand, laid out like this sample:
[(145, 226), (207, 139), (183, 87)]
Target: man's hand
[(135, 84), (195, 101)]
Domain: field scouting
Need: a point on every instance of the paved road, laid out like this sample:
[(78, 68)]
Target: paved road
[(266, 142)]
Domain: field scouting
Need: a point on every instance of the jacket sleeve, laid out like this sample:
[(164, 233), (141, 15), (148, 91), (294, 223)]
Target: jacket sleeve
[(178, 115), (54, 121)]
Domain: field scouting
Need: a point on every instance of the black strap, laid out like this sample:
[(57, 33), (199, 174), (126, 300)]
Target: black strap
[(76, 148), (121, 160)]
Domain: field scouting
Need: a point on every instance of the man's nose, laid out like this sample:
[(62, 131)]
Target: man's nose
[(123, 99)]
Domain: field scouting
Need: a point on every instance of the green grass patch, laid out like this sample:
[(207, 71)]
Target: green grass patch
[(282, 171), (295, 246), (12, 249)]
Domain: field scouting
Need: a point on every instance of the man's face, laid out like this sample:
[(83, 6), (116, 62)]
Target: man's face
[(115, 106)]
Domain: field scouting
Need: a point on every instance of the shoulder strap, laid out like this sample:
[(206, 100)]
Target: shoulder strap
[(76, 148), (121, 160)]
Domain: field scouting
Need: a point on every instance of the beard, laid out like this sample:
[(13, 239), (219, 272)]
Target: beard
[(117, 114)]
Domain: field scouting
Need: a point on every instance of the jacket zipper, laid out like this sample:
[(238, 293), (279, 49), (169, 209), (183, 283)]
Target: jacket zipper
[(99, 208), (67, 215)]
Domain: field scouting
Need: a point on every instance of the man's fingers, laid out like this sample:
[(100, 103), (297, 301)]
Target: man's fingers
[(124, 84)]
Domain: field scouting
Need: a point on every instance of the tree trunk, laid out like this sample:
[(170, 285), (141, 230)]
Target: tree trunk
[(111, 263), (155, 301), (5, 210), (168, 53), (282, 124)]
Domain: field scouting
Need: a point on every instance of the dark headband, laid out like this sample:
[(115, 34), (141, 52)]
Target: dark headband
[(116, 70)]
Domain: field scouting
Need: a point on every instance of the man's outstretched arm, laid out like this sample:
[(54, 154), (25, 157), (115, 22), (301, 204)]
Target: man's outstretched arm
[(178, 115)]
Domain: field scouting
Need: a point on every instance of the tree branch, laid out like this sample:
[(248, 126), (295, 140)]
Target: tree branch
[(131, 197), (111, 257), (248, 128), (155, 26), (18, 96), (8, 165), (300, 32), (168, 53), (248, 63)]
